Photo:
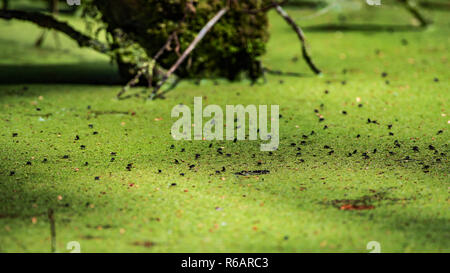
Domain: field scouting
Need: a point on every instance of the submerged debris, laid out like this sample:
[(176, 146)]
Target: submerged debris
[(356, 207), (257, 172), (365, 202)]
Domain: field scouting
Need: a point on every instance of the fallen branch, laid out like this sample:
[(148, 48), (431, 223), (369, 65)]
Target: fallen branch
[(50, 22), (190, 48), (415, 12), (301, 37)]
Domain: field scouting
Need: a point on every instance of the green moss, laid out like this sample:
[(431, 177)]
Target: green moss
[(232, 47)]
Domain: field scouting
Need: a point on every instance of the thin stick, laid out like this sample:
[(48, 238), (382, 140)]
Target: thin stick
[(132, 82), (155, 71), (41, 38), (165, 47), (301, 37), (177, 45), (51, 218), (145, 68), (190, 48)]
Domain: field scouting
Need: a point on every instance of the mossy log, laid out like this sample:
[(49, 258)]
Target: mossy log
[(232, 47)]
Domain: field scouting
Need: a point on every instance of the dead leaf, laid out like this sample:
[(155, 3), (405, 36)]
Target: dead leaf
[(144, 244), (356, 207)]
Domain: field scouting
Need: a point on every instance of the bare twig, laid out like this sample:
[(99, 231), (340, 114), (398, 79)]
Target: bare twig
[(132, 82), (300, 35), (49, 22), (165, 46), (177, 44), (51, 218), (145, 69), (190, 48)]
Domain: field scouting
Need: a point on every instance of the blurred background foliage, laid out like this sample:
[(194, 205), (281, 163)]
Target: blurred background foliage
[(137, 29)]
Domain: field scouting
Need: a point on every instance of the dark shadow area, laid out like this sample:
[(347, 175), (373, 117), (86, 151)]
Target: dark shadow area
[(81, 73), (306, 4), (362, 28), (431, 5), (435, 6), (42, 7)]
